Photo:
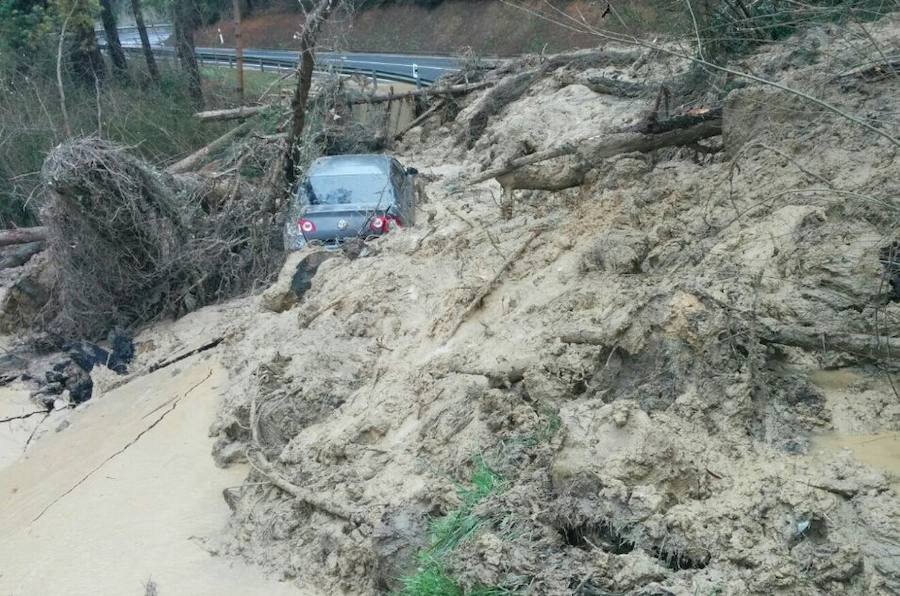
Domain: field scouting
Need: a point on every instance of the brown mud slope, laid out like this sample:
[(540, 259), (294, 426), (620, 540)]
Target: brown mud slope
[(630, 375), (487, 28)]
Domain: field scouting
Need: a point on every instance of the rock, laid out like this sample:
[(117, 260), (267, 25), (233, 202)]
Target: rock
[(294, 280), (122, 347), (617, 251), (80, 388), (228, 453), (68, 376), (87, 355), (396, 538)]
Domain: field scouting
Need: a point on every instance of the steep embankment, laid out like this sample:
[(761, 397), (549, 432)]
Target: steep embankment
[(487, 28)]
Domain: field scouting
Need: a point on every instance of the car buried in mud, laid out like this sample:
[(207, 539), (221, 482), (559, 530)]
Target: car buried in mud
[(346, 197)]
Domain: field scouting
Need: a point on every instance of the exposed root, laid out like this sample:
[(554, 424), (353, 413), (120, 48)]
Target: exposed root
[(487, 288)]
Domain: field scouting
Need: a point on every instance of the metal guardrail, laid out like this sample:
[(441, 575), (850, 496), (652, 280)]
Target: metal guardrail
[(226, 56), (223, 58)]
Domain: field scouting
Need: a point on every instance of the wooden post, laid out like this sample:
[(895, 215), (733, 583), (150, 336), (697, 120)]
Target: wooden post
[(239, 51)]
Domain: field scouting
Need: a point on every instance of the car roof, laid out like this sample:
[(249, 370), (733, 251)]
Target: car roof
[(351, 165)]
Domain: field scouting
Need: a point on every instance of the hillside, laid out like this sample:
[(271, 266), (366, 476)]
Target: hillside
[(633, 408), (451, 27)]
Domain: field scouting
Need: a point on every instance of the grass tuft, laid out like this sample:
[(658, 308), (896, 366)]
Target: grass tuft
[(448, 532)]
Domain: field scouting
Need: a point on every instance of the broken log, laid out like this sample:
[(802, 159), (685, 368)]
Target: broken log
[(20, 255), (422, 118), (692, 118), (22, 236), (603, 146), (193, 160), (596, 58), (230, 114), (869, 346), (606, 85), (426, 92)]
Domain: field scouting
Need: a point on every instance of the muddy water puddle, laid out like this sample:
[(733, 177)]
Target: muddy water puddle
[(880, 450), (128, 491)]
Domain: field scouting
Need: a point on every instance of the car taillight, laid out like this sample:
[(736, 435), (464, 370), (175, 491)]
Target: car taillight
[(382, 223), (306, 226)]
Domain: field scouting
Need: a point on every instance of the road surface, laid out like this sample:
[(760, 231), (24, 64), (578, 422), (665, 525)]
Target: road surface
[(396, 67)]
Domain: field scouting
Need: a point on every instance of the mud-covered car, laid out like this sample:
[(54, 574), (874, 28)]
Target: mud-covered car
[(350, 196)]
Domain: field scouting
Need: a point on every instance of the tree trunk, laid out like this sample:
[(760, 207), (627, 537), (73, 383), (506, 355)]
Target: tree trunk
[(817, 339), (239, 51), (116, 54), (427, 92), (87, 62), (194, 159), (311, 28), (19, 255), (22, 236), (230, 114), (184, 19), (138, 11), (681, 130)]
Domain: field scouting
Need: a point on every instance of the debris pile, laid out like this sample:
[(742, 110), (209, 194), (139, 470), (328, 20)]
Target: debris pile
[(130, 244), (610, 388)]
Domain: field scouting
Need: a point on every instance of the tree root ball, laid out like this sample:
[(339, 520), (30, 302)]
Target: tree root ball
[(132, 244)]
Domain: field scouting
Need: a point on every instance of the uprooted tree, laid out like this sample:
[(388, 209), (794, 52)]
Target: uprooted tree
[(131, 244)]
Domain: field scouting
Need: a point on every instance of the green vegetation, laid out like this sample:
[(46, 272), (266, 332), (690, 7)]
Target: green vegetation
[(550, 425), (256, 83), (431, 578), (155, 120)]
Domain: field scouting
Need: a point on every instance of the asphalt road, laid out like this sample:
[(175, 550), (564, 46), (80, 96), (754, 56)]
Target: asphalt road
[(397, 67)]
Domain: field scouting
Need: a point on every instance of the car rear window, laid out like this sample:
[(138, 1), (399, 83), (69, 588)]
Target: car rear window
[(365, 189)]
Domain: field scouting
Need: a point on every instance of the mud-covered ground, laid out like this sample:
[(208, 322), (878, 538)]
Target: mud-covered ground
[(636, 401)]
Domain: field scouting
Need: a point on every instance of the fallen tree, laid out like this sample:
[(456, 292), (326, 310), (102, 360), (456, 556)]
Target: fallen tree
[(194, 159), (586, 153), (678, 131), (308, 37), (426, 92)]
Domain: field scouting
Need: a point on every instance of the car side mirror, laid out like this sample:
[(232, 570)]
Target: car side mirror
[(412, 172)]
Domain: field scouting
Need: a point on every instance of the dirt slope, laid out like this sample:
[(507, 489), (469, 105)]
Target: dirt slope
[(621, 377)]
